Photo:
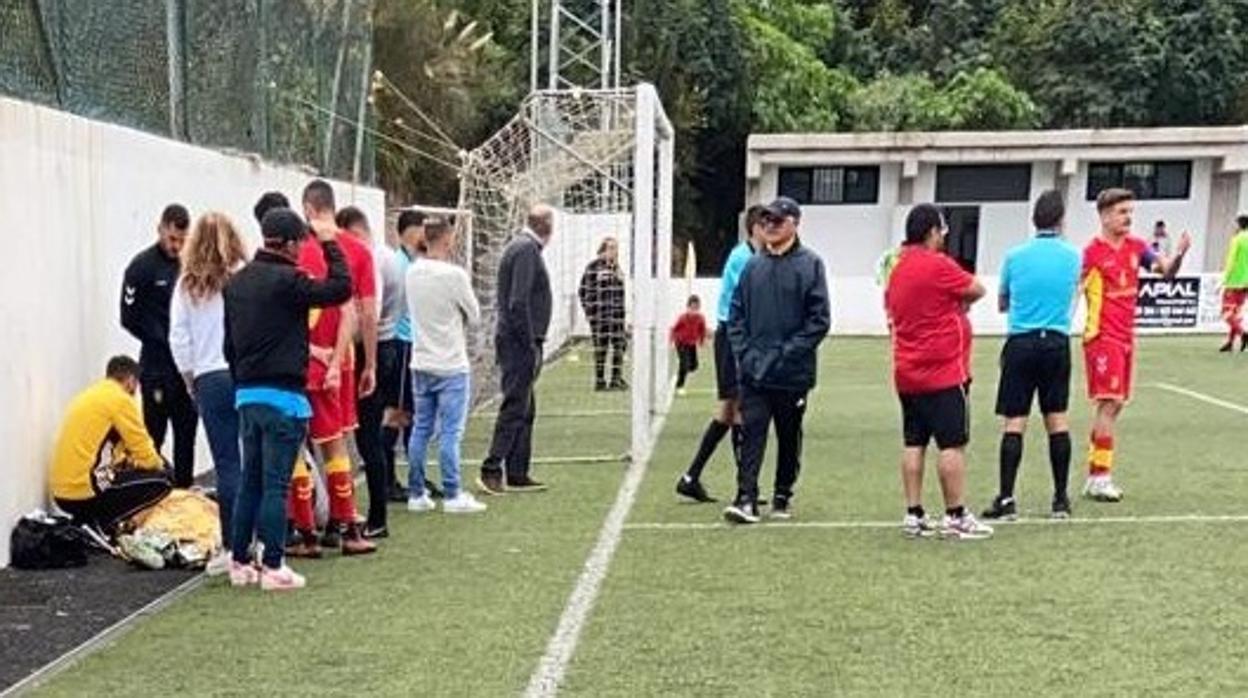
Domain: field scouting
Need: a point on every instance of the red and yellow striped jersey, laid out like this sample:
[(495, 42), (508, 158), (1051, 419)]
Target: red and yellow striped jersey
[(1111, 284)]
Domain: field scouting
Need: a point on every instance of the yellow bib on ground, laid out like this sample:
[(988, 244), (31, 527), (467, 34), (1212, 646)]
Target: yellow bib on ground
[(186, 517)]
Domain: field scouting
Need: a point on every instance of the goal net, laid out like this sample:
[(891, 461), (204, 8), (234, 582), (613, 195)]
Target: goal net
[(603, 160)]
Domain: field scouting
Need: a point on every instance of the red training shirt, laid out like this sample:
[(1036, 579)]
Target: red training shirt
[(931, 335), (1111, 284), (689, 330)]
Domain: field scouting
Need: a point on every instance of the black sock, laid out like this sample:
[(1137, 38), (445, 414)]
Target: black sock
[(1059, 460), (710, 440), (915, 511), (956, 512), (1011, 456)]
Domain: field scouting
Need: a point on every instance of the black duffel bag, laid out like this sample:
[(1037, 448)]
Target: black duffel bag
[(46, 543)]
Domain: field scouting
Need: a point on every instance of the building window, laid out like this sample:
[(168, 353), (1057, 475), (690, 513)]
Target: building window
[(830, 185), (1149, 180), (982, 183)]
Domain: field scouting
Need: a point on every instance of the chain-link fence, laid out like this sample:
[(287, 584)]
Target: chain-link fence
[(284, 78)]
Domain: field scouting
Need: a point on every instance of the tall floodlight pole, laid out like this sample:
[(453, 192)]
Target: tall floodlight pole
[(582, 44)]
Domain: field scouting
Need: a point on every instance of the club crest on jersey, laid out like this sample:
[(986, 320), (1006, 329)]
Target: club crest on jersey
[(1102, 364)]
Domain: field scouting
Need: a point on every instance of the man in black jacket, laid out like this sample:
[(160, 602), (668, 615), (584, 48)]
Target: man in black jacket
[(266, 344), (780, 314), (524, 306), (602, 298), (146, 295)]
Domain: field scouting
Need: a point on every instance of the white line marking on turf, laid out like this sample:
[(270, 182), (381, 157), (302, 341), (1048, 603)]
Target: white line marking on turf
[(544, 683), (1202, 397), (1099, 520)]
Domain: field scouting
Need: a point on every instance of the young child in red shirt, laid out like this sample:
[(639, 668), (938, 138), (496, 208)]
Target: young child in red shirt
[(688, 334)]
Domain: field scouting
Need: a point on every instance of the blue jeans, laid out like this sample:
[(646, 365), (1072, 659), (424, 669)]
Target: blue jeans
[(214, 397), (440, 401), (271, 442)]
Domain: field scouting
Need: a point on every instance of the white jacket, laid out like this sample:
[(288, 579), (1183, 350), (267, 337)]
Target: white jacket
[(197, 333)]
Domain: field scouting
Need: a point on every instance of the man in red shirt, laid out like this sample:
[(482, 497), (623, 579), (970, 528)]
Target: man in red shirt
[(688, 334), (331, 387), (1111, 284), (927, 298)]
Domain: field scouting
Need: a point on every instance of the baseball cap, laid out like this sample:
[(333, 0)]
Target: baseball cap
[(784, 207), (283, 224)]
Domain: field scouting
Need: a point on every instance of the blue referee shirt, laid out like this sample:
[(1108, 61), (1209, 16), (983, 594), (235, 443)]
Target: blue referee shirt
[(1040, 278), (737, 260)]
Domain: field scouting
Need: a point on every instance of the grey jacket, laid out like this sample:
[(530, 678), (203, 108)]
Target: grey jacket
[(524, 299)]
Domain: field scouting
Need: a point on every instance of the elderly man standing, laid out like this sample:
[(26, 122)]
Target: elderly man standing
[(524, 306)]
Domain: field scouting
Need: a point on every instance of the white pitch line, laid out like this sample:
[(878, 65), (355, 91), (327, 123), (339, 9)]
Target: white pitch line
[(858, 525), (1209, 399), (546, 678)]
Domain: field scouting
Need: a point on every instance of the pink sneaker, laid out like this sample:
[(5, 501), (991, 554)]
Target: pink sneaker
[(282, 579), (242, 575)]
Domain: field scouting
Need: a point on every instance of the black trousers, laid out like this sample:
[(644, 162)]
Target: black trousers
[(609, 338), (131, 491), (688, 356), (368, 441), (166, 401), (760, 408), (512, 443)]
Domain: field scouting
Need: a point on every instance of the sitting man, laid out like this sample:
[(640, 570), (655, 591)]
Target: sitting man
[(105, 467)]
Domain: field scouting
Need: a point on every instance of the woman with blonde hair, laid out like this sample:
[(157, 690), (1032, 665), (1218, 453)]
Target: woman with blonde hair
[(210, 257)]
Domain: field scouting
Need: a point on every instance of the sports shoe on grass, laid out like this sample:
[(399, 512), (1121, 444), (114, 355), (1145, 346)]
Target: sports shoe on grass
[(1101, 488), (376, 532), (917, 527), (491, 483), (1002, 509), (421, 504), (741, 514), (304, 545), (692, 489), (1060, 509), (781, 509), (964, 527), (354, 543), (243, 574), (463, 503), (281, 579), (218, 564), (524, 483)]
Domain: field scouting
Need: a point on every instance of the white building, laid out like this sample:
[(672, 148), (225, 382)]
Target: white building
[(856, 189)]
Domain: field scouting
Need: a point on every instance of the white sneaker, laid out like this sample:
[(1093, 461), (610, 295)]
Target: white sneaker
[(242, 575), (281, 579), (463, 503), (682, 392), (421, 504), (917, 527), (965, 527), (218, 564), (1101, 488)]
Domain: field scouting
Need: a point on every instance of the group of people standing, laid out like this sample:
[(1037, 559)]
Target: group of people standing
[(773, 313), (319, 336)]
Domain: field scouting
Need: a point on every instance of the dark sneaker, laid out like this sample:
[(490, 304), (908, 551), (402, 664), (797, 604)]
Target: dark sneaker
[(433, 491), (1061, 508), (524, 483), (1243, 342), (687, 487), (741, 514), (619, 384), (781, 509), (376, 532), (353, 542), (491, 483), (1227, 348), (304, 545), (397, 494), (332, 537), (600, 386), (1002, 509)]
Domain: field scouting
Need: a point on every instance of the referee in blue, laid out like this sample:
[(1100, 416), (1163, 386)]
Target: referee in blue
[(1038, 284)]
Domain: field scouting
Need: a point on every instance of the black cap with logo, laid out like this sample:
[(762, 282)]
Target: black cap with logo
[(783, 207)]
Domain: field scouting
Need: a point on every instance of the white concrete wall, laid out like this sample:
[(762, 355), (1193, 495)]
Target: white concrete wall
[(81, 198)]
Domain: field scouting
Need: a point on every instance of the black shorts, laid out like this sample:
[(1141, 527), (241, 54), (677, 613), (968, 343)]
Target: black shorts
[(725, 367), (394, 374), (1034, 364), (943, 415)]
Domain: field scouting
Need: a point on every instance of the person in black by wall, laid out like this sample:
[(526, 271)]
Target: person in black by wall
[(146, 295), (602, 298), (524, 306), (780, 314)]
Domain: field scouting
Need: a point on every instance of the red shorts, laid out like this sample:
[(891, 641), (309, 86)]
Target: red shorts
[(1110, 365), (326, 423), (1233, 301)]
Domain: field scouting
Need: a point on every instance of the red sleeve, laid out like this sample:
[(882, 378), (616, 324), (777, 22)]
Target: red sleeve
[(312, 260), (951, 277), (365, 277)]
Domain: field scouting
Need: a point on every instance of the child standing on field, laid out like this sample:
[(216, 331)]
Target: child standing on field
[(688, 334)]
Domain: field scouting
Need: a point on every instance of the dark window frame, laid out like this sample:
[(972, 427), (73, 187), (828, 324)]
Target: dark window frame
[(1108, 174), (1008, 194), (866, 191)]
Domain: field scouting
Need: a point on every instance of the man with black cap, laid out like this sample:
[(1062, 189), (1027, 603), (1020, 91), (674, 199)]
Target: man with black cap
[(780, 314), (266, 344)]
